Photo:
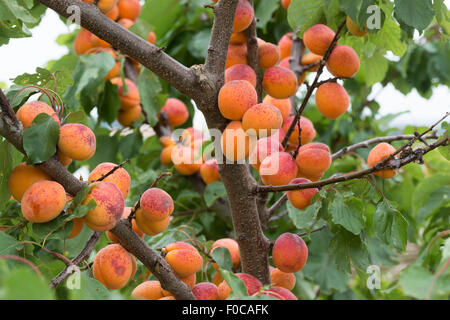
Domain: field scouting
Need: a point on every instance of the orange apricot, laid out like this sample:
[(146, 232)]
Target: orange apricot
[(43, 201), (318, 38), (129, 9), (151, 37), (65, 160), (184, 262), (151, 228), (178, 245), (238, 38), (279, 293), (380, 152), (176, 112), (77, 141), (127, 117), (105, 6), (269, 55), (205, 291), (237, 54), (232, 247), (308, 131), (313, 159), (282, 279), (286, 3), (235, 98), (279, 82), (131, 98), (241, 72), (193, 138), (236, 144), (284, 105), (311, 58), (217, 278), (148, 290), (262, 120), (84, 42), (186, 159), (29, 111), (264, 148), (166, 156), (252, 284), (77, 227), (243, 17), (355, 29), (119, 177), (332, 100), (126, 23), (114, 13), (301, 199), (289, 253), (278, 169), (166, 141), (209, 171), (156, 204), (285, 45), (22, 177), (343, 62), (99, 43)]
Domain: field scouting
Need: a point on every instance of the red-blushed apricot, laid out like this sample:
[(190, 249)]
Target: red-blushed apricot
[(380, 152), (126, 23), (237, 54), (243, 17), (113, 266), (285, 63), (209, 171), (176, 112), (151, 37), (313, 159), (282, 279), (241, 72), (186, 160), (184, 262), (22, 177), (126, 213), (119, 177), (308, 131), (151, 228), (217, 278), (236, 144), (262, 120), (156, 204), (129, 9), (279, 293), (332, 100), (355, 29), (284, 105), (109, 209), (279, 82), (131, 98), (166, 156), (264, 148), (289, 253), (311, 58), (285, 45), (105, 6), (301, 199), (269, 55), (252, 284), (43, 201), (83, 42), (65, 160), (286, 3), (238, 38), (29, 111), (114, 13), (205, 291), (232, 247), (190, 280), (235, 98), (166, 141), (127, 117), (178, 245), (318, 38), (343, 62), (77, 141), (278, 169), (77, 227), (148, 290)]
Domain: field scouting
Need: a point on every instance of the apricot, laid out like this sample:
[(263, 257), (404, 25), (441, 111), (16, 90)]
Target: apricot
[(43, 201), (151, 228), (282, 279), (311, 58), (77, 227), (280, 293), (130, 99), (232, 246), (343, 62), (114, 13), (252, 284), (380, 152), (289, 253), (148, 290), (264, 148), (269, 55), (285, 63), (84, 42), (355, 29), (205, 291), (285, 45), (209, 171), (217, 278), (109, 209), (125, 214), (284, 105), (120, 177), (129, 9), (29, 111), (166, 156), (313, 159), (279, 82), (318, 38), (127, 117), (278, 169), (99, 43), (192, 138), (262, 120), (190, 280), (236, 144), (105, 6), (151, 37), (176, 112), (241, 72), (166, 141), (237, 54), (332, 100), (308, 131), (178, 245), (286, 3), (156, 204), (235, 98), (238, 38), (126, 23), (186, 160), (243, 17), (77, 141), (65, 160), (22, 177), (184, 262), (301, 199), (113, 266)]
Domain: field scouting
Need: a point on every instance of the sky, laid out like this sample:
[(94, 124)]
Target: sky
[(24, 55)]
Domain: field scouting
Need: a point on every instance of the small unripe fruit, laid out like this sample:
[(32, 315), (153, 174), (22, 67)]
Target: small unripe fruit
[(289, 253)]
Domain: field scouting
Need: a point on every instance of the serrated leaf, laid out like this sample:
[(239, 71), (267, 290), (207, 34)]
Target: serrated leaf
[(348, 213), (305, 14), (222, 257), (345, 248), (304, 219), (389, 38), (390, 226), (213, 192), (415, 13)]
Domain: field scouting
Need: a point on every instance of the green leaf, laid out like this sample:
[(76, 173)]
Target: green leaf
[(222, 256), (389, 38), (415, 13), (238, 288), (390, 225), (59, 80), (348, 213), (8, 245), (130, 144), (442, 15), (306, 13), (89, 288), (39, 140), (376, 67), (149, 90), (23, 284), (416, 281), (425, 188), (77, 116), (199, 43), (304, 219), (439, 198), (109, 103), (445, 151), (345, 247), (162, 15), (264, 11), (7, 162), (213, 192)]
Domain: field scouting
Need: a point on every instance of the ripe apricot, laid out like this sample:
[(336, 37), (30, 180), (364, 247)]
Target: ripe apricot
[(262, 120), (332, 100), (301, 199), (380, 152), (236, 144), (176, 112), (184, 262), (29, 111), (241, 72), (243, 17), (343, 62), (279, 293), (109, 209), (308, 131), (311, 58), (193, 138), (178, 245), (232, 247), (77, 141), (113, 266), (119, 177), (166, 141), (355, 29), (148, 290), (22, 177), (279, 82), (237, 54), (151, 37), (217, 278), (282, 279), (209, 171), (43, 201), (151, 228), (318, 38), (186, 160), (252, 284), (238, 38), (126, 213), (114, 13), (235, 98), (286, 3), (313, 159), (264, 148), (285, 45), (269, 55), (126, 23), (127, 117), (166, 156), (205, 291), (129, 9), (105, 6), (190, 280), (278, 169), (78, 224), (284, 105), (289, 253), (130, 99), (99, 43), (65, 160), (84, 42), (156, 204)]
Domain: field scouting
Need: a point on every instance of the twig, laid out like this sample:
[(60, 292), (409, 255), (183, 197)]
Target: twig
[(28, 262), (277, 205), (279, 216), (106, 175)]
